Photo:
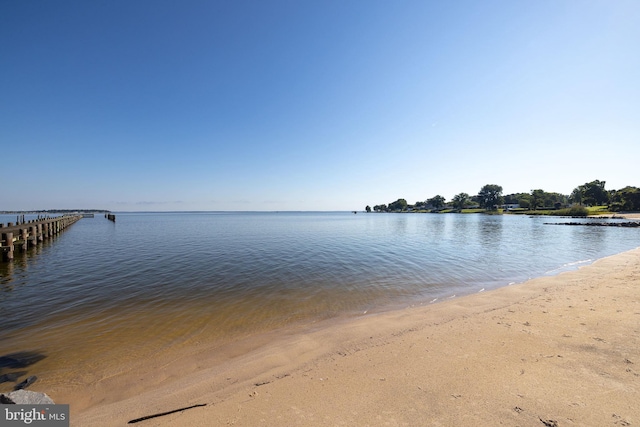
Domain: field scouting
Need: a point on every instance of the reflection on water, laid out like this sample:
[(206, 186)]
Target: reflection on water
[(104, 292)]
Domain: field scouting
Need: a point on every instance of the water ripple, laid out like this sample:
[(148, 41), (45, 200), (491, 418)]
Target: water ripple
[(225, 273)]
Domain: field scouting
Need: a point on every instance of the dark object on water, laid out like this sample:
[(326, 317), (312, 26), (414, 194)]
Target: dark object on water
[(11, 376), (26, 383), (148, 417), (21, 359)]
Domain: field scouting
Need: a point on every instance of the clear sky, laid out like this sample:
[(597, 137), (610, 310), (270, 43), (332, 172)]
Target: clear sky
[(312, 105)]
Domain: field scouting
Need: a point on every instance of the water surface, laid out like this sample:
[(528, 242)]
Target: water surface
[(112, 292)]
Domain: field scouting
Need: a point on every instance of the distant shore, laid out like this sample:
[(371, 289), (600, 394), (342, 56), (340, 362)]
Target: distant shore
[(561, 349)]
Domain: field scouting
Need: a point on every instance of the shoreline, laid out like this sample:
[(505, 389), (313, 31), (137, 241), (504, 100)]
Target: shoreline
[(561, 348)]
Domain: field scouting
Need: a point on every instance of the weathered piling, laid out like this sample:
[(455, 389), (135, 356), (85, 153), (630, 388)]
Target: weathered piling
[(21, 243), (30, 233), (33, 235), (7, 246), (110, 217)]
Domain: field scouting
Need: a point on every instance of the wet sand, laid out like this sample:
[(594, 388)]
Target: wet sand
[(562, 350)]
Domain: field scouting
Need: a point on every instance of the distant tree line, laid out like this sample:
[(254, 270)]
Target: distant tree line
[(490, 198)]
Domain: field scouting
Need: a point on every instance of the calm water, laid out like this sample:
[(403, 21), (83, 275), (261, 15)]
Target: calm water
[(151, 281)]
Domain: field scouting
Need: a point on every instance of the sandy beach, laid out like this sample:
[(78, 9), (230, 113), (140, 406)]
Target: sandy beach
[(631, 216), (554, 351)]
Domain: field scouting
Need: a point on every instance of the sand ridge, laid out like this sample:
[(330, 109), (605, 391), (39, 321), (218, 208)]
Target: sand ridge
[(562, 350)]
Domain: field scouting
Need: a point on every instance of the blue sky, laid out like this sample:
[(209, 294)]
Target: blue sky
[(312, 105)]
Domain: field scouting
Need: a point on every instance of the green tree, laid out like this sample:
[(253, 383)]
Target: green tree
[(595, 194), (556, 200), (626, 199), (460, 201), (523, 199), (368, 208), (631, 196), (436, 201), (577, 195), (537, 199), (490, 196), (510, 199), (398, 205)]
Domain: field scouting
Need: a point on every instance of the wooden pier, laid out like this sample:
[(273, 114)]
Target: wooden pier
[(31, 233)]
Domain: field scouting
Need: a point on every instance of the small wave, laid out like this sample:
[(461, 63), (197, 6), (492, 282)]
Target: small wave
[(568, 266), (584, 261), (481, 290)]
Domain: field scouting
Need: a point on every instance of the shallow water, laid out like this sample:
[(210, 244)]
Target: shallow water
[(102, 293)]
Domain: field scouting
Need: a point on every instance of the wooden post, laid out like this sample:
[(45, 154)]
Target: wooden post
[(33, 235), (23, 238), (39, 231), (8, 243)]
